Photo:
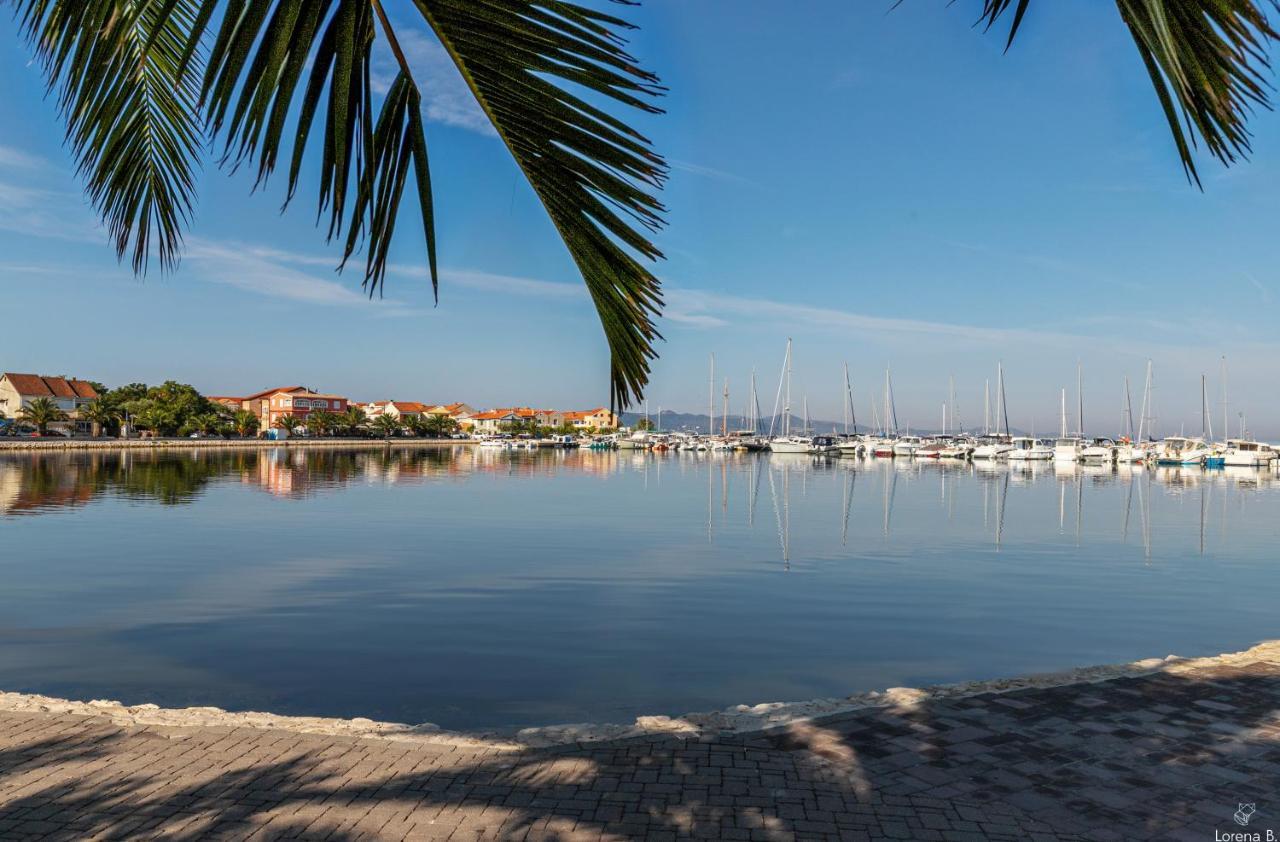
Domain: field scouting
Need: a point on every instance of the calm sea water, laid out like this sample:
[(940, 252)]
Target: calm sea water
[(477, 588)]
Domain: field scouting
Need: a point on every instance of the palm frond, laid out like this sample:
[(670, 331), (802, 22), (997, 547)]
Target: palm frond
[(1207, 60), (126, 75), (594, 175)]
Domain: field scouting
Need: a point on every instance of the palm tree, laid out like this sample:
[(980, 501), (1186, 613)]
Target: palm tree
[(100, 415), (245, 423), (40, 413), (440, 426), (353, 419), (285, 422), (146, 86), (321, 423), (386, 426)]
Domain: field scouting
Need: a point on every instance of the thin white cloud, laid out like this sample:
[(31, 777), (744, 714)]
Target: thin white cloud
[(1259, 286), (707, 172), (12, 158)]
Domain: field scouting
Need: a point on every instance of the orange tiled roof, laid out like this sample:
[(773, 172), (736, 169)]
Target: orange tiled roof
[(269, 392), (409, 406), (38, 386)]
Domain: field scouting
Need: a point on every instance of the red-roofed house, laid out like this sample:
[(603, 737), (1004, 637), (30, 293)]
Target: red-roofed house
[(400, 410), (299, 405), (19, 390)]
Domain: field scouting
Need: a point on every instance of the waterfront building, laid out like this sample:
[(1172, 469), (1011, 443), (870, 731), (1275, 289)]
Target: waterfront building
[(19, 390)]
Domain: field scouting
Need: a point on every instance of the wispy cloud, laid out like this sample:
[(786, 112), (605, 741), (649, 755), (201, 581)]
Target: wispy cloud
[(445, 96), (11, 158), (707, 172), (1259, 286)]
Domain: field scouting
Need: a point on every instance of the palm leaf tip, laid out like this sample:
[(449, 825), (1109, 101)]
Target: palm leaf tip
[(130, 104), (546, 91), (1208, 61)]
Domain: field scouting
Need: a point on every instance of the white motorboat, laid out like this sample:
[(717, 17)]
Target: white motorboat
[(1029, 449), (1100, 451), (1248, 454), (992, 447), (1180, 450), (1068, 449), (907, 446), (791, 444)]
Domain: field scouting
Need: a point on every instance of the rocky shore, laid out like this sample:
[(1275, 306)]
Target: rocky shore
[(768, 718)]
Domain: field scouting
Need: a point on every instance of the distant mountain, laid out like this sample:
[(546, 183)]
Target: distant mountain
[(697, 422)]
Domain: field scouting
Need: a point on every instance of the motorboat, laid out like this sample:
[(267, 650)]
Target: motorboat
[(1068, 449), (1029, 449), (932, 449), (1180, 450), (907, 446), (1241, 453), (791, 444), (992, 447), (1100, 450)]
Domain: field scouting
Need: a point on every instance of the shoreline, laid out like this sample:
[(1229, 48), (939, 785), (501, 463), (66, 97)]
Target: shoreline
[(763, 719), (58, 444)]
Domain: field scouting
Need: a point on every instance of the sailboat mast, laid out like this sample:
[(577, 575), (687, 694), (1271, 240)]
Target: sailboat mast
[(848, 399), (1225, 432), (806, 415), (1063, 424), (1206, 427), (724, 419), (1003, 409), (711, 398), (1080, 399), (1128, 411), (754, 406), (1146, 395), (893, 405), (986, 407), (786, 420)]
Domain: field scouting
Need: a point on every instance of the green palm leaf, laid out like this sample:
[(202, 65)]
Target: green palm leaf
[(1206, 59), (594, 174), (125, 75)]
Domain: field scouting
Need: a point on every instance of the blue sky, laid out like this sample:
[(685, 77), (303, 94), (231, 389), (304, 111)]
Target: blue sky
[(885, 187)]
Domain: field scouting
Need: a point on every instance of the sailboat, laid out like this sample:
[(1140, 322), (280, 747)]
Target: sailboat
[(1070, 447), (851, 444), (1136, 449), (1184, 450), (995, 446), (787, 442), (883, 447)]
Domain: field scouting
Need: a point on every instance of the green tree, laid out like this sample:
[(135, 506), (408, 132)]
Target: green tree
[(285, 422), (439, 426), (386, 426), (644, 424), (272, 78), (245, 423), (321, 423), (353, 420), (40, 413), (101, 415)]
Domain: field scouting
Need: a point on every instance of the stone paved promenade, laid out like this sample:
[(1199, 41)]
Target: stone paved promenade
[(1165, 756)]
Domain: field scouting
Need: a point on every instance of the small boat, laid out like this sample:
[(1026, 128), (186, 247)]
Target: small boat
[(1241, 453), (907, 446), (1100, 451), (1180, 450), (932, 449), (1029, 449), (958, 449), (992, 447), (791, 444), (1068, 449)]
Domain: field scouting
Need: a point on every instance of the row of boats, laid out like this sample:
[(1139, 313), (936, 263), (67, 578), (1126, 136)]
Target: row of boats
[(1175, 450)]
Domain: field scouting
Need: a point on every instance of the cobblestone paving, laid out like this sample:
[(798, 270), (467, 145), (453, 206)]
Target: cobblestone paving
[(1156, 757)]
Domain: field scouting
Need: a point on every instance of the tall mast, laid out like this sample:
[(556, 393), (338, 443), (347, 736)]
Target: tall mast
[(1128, 411), (754, 406), (1206, 426), (1080, 398), (711, 398), (1063, 424), (724, 419), (1146, 395), (848, 401), (1225, 433), (1004, 405), (986, 407), (786, 420), (806, 415), (893, 406)]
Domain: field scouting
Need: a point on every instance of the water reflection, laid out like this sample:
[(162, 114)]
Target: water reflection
[(478, 587)]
